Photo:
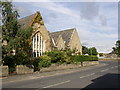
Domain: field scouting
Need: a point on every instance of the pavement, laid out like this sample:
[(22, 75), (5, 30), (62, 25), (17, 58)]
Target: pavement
[(104, 75)]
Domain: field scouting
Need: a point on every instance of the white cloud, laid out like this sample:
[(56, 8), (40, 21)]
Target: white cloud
[(102, 41), (57, 8), (23, 10)]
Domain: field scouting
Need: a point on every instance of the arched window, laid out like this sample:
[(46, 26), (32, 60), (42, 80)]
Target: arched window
[(37, 45)]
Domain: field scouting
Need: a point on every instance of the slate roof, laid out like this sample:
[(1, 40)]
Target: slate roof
[(24, 22), (66, 35)]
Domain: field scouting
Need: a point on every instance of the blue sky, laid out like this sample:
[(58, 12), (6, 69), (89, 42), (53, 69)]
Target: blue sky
[(96, 22)]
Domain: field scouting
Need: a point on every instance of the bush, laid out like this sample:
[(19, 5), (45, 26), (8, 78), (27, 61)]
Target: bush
[(42, 61), (56, 56), (82, 58), (10, 60)]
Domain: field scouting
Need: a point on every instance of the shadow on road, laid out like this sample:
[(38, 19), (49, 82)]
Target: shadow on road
[(107, 81)]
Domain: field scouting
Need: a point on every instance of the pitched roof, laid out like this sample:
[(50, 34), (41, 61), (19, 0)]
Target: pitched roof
[(66, 35), (24, 22)]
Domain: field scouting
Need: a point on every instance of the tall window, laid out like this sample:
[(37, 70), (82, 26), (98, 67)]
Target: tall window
[(37, 43)]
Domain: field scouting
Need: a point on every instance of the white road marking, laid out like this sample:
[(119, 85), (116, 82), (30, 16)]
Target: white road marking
[(104, 70), (112, 67), (87, 75), (116, 66), (57, 84)]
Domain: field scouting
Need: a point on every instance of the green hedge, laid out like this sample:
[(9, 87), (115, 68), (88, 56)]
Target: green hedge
[(82, 58), (42, 61), (56, 56)]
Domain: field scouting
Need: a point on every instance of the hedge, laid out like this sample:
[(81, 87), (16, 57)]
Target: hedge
[(42, 61), (82, 58)]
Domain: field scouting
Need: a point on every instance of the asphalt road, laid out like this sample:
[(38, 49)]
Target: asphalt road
[(106, 76)]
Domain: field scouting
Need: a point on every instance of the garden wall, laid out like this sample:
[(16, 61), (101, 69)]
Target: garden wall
[(55, 67), (21, 69), (3, 71)]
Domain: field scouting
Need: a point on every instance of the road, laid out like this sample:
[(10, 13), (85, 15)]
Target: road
[(106, 76)]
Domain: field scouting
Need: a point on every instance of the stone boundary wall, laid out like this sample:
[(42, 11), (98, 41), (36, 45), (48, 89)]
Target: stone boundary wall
[(3, 71), (89, 63), (68, 66), (22, 69)]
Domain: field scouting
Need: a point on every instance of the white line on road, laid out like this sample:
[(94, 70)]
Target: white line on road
[(56, 84), (87, 75), (112, 67), (116, 66), (104, 70)]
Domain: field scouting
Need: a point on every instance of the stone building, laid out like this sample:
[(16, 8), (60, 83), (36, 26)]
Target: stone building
[(43, 40), (66, 39)]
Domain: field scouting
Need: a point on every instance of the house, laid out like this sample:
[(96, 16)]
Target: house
[(42, 40)]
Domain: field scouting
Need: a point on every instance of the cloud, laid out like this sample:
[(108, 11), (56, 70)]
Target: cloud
[(51, 16), (22, 9), (102, 41), (57, 8), (89, 11), (103, 20)]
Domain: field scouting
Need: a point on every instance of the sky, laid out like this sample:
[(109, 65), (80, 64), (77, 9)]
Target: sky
[(95, 22)]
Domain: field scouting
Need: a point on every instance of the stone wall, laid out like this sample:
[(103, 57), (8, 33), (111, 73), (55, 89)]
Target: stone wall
[(88, 63), (3, 71), (68, 66), (21, 69)]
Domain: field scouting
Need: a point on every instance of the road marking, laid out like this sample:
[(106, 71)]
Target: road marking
[(112, 67), (87, 75), (116, 66), (104, 70), (57, 84)]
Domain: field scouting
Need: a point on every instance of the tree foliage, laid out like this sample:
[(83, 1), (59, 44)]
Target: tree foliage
[(21, 45), (100, 54), (9, 21), (85, 50), (18, 39), (116, 49), (93, 51)]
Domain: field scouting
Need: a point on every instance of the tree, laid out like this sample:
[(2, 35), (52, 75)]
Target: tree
[(84, 50), (18, 39), (114, 50), (117, 48), (9, 26), (100, 54), (9, 21), (93, 51)]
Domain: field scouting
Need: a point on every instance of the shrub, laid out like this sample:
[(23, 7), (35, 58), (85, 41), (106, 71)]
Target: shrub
[(82, 58), (45, 61), (10, 60), (42, 61), (56, 56)]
